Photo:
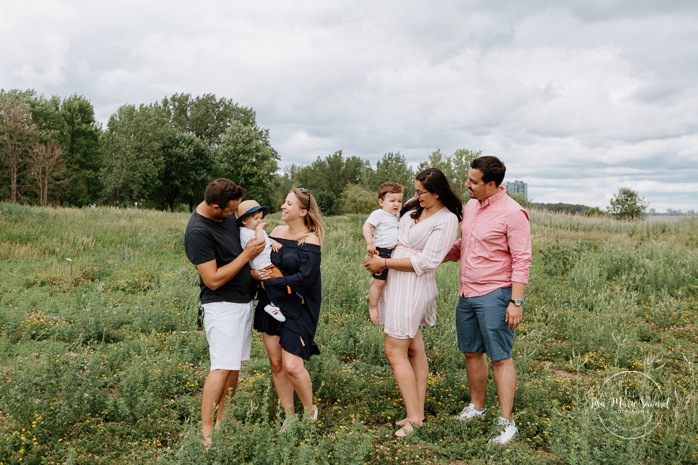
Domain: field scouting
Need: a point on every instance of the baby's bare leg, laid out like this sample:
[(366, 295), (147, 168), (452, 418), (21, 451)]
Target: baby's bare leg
[(374, 293)]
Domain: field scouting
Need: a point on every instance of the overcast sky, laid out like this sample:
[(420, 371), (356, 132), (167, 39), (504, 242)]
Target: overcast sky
[(578, 98)]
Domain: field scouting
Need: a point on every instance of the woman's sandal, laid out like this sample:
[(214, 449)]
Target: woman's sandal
[(404, 420), (409, 428)]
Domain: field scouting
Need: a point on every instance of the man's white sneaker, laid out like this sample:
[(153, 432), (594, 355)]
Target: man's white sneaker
[(275, 312), (470, 412), (509, 430)]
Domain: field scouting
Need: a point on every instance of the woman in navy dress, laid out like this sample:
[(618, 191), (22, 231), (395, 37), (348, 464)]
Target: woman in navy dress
[(298, 295)]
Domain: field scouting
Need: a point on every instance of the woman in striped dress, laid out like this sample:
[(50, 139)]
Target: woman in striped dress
[(408, 302)]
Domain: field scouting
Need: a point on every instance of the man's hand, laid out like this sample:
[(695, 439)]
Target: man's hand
[(514, 315), (253, 248)]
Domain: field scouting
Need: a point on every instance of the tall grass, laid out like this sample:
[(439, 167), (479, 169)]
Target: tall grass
[(101, 361)]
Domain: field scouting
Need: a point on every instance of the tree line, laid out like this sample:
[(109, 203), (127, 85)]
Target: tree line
[(162, 155)]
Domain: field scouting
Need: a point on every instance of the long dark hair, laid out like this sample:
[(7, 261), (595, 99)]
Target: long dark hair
[(435, 182)]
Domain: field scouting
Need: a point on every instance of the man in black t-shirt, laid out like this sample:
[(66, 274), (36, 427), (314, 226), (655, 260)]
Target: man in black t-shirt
[(212, 244)]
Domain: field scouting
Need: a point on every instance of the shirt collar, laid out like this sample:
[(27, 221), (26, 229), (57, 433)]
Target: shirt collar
[(495, 198)]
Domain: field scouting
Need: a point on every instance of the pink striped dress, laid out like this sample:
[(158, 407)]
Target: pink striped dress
[(408, 300)]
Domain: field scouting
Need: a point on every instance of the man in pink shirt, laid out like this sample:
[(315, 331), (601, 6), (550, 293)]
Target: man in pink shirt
[(495, 257)]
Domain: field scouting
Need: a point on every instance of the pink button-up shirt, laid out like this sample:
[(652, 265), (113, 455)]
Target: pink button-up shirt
[(495, 245)]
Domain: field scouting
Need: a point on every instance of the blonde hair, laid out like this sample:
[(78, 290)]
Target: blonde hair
[(313, 220)]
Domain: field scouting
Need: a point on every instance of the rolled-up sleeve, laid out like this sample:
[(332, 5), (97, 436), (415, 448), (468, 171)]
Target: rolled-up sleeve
[(519, 239), (438, 245), (453, 255)]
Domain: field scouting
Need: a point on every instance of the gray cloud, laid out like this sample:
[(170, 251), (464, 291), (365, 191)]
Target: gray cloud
[(579, 98)]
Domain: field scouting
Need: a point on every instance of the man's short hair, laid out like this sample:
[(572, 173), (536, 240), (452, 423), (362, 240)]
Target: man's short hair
[(492, 169), (389, 188), (221, 191)]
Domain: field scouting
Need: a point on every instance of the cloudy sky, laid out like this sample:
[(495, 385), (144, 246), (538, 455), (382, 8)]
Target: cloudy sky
[(579, 98)]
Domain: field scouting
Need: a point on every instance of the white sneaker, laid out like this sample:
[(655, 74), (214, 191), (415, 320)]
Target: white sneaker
[(275, 312), (288, 421), (509, 430), (314, 415), (470, 412)]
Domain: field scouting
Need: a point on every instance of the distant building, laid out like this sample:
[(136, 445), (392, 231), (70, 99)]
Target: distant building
[(653, 211), (517, 187)]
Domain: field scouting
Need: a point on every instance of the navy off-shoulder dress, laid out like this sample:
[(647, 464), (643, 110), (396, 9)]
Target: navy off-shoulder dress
[(297, 294)]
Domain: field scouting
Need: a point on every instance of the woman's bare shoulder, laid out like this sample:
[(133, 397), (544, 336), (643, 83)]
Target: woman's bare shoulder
[(280, 231), (312, 239)]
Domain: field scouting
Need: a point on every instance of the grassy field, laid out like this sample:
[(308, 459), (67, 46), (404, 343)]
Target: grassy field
[(101, 362)]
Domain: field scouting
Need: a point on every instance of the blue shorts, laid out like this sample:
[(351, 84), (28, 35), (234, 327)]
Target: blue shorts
[(481, 324)]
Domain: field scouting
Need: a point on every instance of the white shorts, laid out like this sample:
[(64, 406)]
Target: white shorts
[(229, 333)]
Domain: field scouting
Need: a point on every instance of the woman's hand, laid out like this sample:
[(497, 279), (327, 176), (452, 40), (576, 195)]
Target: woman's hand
[(260, 275), (374, 264)]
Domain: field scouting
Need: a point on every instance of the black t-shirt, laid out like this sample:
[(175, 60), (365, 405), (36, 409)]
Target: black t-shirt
[(206, 240)]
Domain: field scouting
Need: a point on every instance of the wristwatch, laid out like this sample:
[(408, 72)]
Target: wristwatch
[(517, 302)]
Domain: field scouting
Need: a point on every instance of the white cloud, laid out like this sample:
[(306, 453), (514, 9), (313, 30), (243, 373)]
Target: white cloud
[(579, 98)]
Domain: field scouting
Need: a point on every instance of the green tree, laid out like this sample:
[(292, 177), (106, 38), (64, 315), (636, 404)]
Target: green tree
[(627, 205), (18, 133), (521, 200), (353, 171), (207, 117), (327, 178), (246, 156), (133, 161), (282, 184), (186, 172), (328, 203), (356, 199), (454, 167), (70, 126), (439, 161), (460, 164), (44, 161), (237, 147), (82, 152), (392, 167), (52, 137), (595, 211), (46, 113)]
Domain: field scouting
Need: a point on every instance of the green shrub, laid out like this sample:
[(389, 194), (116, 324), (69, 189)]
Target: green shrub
[(102, 362)]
